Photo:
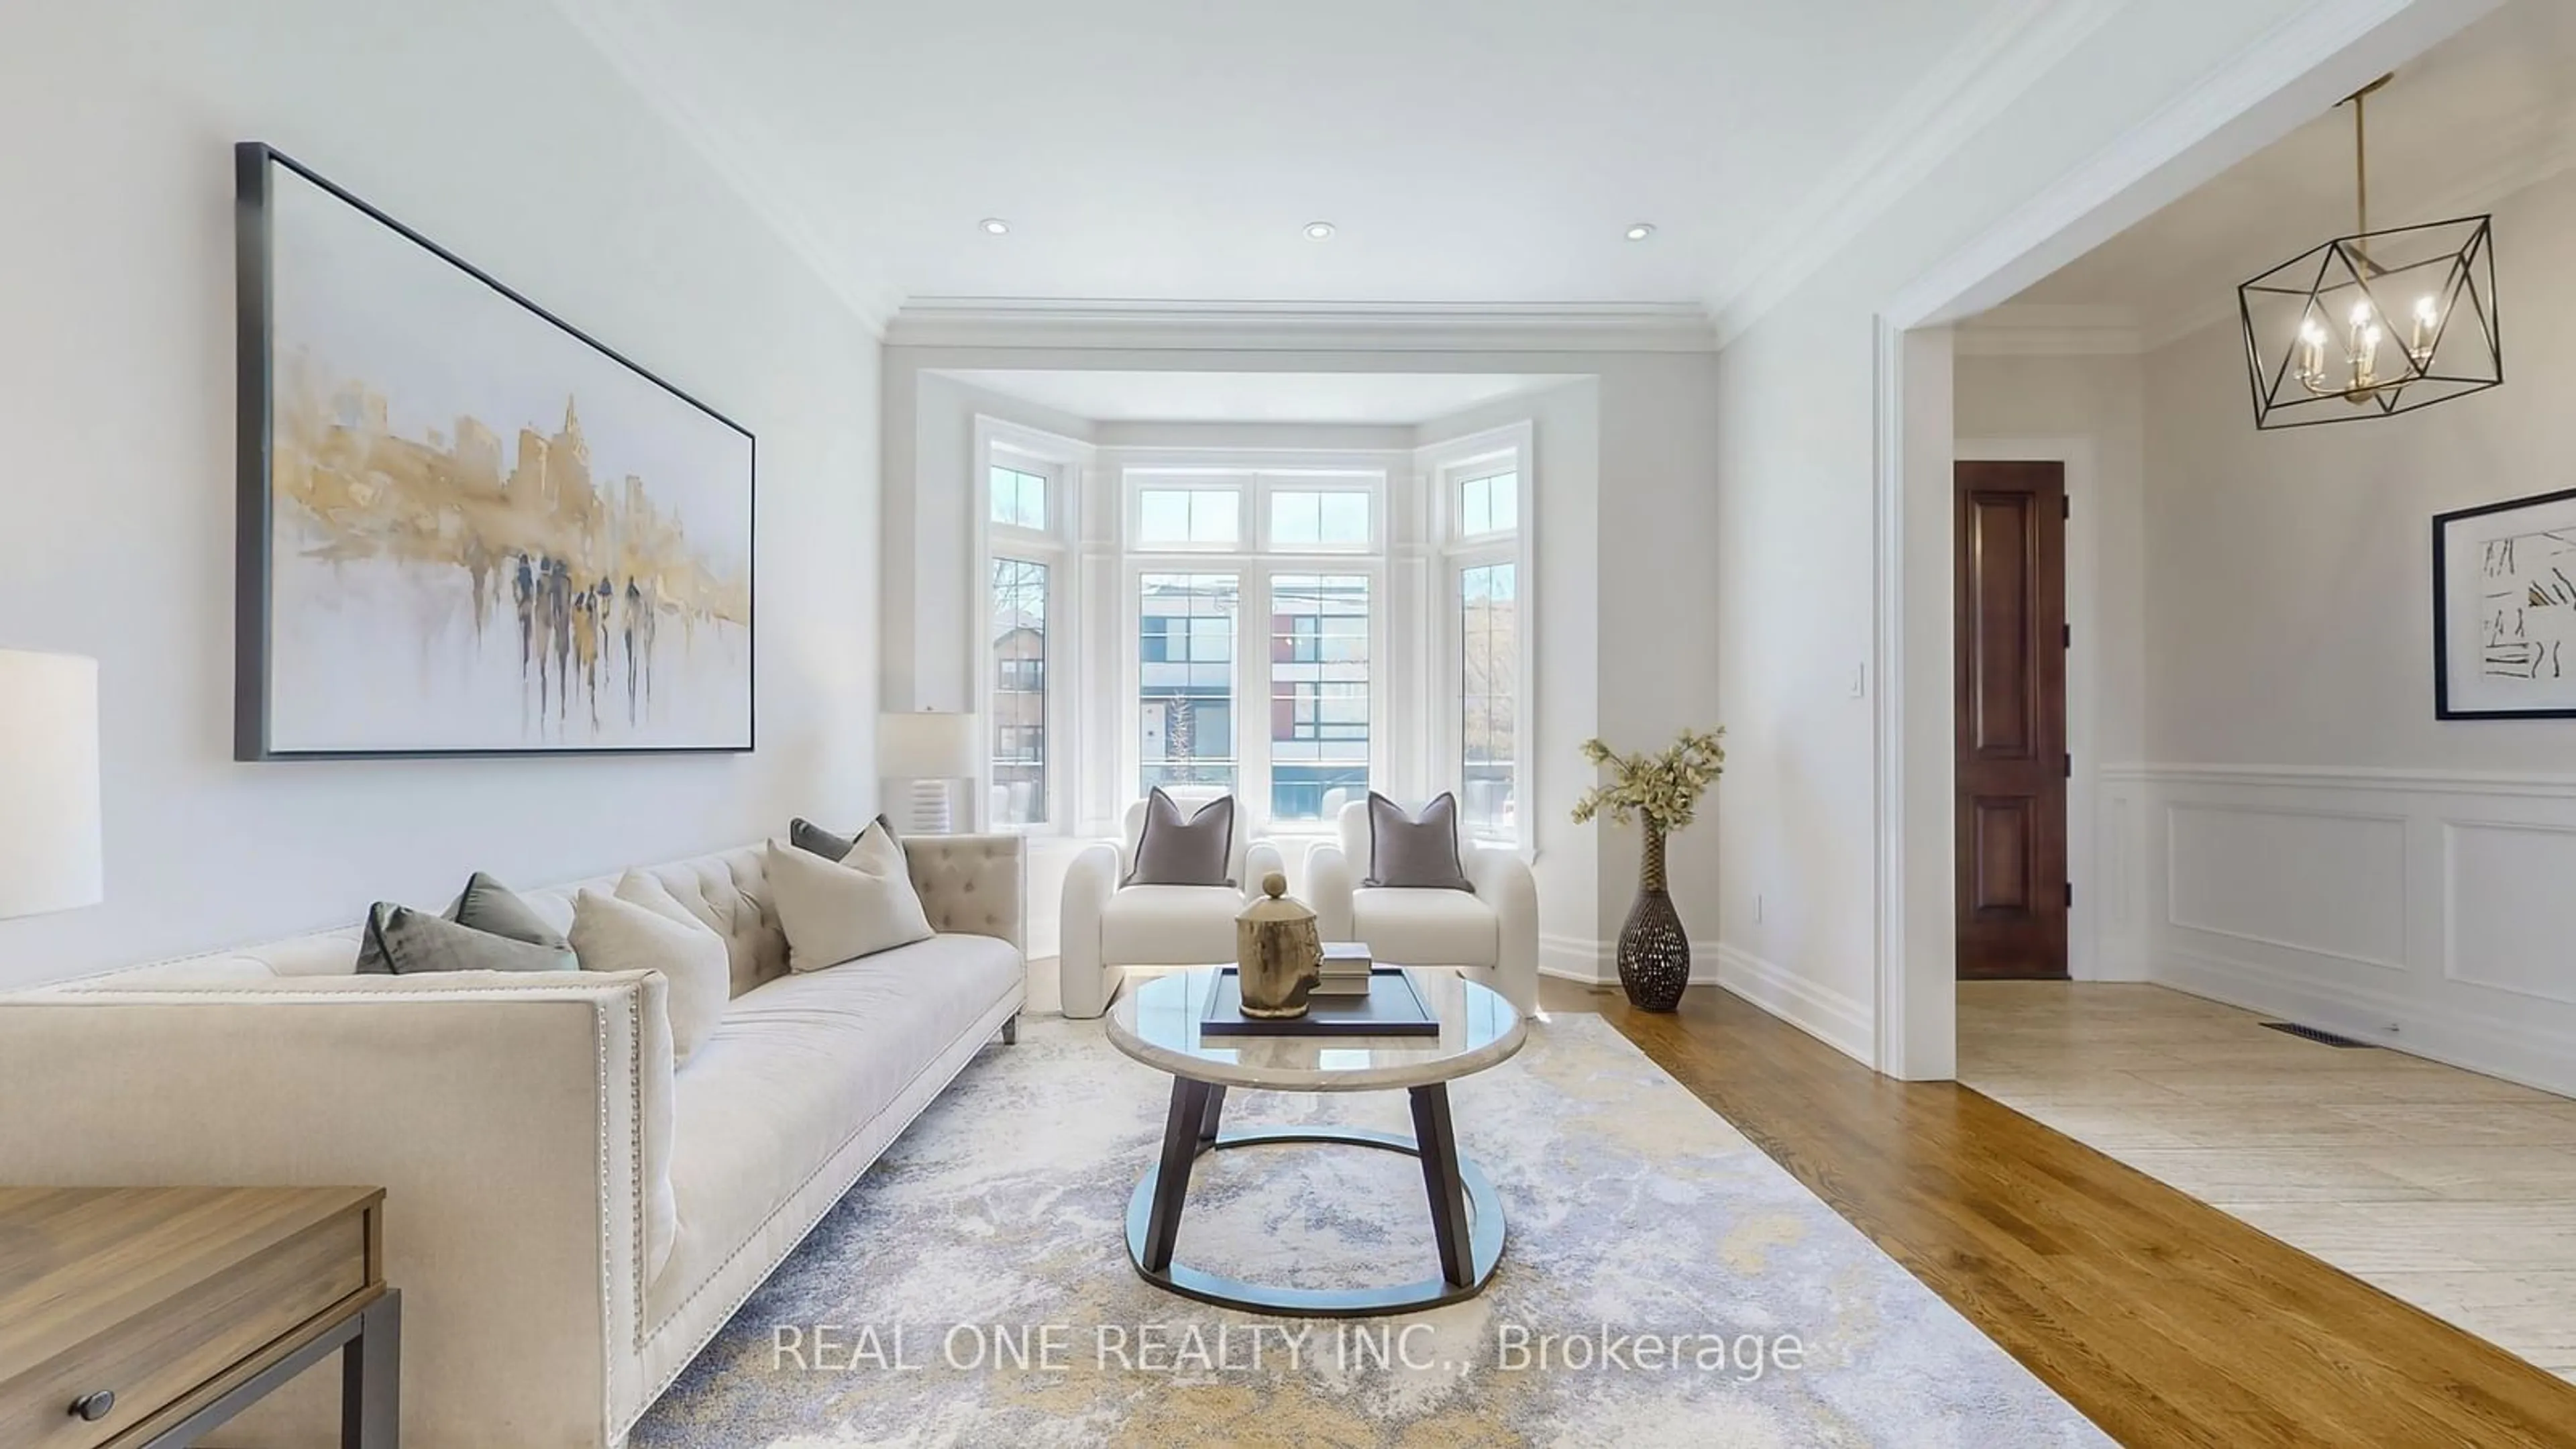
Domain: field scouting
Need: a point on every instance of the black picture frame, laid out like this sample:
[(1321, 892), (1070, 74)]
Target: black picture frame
[(2443, 706), (254, 544)]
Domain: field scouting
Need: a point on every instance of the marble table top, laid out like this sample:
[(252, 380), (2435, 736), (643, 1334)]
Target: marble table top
[(1157, 1022)]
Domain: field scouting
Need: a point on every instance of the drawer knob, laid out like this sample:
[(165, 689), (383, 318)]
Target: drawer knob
[(94, 1407)]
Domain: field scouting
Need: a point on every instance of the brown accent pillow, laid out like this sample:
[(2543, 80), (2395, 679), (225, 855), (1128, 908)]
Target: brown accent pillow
[(1415, 852), (1195, 851)]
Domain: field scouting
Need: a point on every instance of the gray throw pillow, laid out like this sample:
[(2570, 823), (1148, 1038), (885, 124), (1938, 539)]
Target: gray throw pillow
[(1415, 852), (805, 835), (413, 942), (1191, 851), (485, 906)]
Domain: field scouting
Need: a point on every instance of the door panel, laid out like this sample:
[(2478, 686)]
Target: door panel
[(2011, 719)]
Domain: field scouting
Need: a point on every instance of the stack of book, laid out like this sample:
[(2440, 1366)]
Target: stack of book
[(1346, 969)]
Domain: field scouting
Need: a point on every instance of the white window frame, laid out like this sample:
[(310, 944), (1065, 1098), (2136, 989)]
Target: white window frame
[(1373, 489), (1254, 577), (1061, 462), (1256, 474), (1446, 467), (1243, 486)]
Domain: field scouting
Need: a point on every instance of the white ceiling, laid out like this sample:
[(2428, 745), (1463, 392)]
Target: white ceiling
[(1467, 150), (1401, 398), (2482, 115)]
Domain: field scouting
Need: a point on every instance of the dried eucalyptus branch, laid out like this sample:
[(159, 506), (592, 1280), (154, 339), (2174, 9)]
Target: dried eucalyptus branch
[(1662, 788)]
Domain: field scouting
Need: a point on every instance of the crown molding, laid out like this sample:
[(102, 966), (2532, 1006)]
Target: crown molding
[(2003, 57), (2296, 68), (1021, 322), (743, 154), (2031, 329)]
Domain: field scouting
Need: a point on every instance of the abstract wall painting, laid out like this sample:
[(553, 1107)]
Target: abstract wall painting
[(466, 528), (2504, 610)]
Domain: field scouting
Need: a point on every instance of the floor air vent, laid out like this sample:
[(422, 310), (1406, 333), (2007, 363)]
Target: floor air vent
[(2322, 1038)]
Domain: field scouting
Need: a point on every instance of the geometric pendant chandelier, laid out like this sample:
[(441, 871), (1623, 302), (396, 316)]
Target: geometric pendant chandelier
[(2375, 323)]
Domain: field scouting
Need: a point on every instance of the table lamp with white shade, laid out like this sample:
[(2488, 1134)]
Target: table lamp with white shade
[(930, 749), (50, 857)]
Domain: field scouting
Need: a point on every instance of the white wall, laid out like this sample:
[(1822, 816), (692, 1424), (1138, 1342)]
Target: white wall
[(2089, 413), (1627, 593), (1800, 431), (2308, 839), (492, 128)]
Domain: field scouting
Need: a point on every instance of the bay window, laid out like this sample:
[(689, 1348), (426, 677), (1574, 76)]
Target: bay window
[(1297, 627), (1025, 506)]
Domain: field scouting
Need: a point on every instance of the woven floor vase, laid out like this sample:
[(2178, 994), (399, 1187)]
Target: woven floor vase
[(1654, 954)]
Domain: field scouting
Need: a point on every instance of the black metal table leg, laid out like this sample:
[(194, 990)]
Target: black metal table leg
[(1213, 1117), (371, 1378), (1181, 1129), (1437, 1139)]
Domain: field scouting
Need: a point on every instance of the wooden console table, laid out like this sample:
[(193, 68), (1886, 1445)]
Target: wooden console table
[(144, 1317)]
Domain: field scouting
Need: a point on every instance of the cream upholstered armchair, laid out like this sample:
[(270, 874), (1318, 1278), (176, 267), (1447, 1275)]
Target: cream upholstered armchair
[(1108, 928), (1492, 930)]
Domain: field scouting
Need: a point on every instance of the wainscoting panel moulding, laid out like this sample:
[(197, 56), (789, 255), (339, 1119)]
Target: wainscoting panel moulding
[(1303, 326), (2422, 910)]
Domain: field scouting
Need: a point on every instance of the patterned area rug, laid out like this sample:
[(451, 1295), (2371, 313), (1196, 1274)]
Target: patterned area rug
[(1664, 1284)]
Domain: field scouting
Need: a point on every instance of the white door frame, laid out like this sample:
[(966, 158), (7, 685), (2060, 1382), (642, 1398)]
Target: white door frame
[(2295, 72), (2083, 575)]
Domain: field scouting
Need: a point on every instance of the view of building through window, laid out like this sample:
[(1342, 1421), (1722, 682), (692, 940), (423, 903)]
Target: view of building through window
[(1319, 693), (1019, 703), (1185, 678)]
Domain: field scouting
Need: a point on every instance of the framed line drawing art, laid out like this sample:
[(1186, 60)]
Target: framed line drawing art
[(465, 527), (2504, 610)]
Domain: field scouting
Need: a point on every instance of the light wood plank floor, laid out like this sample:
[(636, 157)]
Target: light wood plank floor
[(2164, 1320), (2453, 1191)]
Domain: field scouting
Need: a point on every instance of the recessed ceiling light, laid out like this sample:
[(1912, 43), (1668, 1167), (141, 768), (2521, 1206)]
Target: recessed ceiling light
[(1641, 231), (1318, 230), (994, 226)]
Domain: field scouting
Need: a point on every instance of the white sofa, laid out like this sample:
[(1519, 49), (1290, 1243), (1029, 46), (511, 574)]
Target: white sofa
[(1493, 931), (1108, 928), (568, 1218)]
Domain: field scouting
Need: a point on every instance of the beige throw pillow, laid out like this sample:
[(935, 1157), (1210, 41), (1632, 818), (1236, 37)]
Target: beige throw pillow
[(836, 911), (625, 933)]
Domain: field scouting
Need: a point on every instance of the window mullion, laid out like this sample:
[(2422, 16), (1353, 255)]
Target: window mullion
[(1252, 688)]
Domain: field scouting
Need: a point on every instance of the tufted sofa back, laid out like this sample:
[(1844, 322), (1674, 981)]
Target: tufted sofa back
[(969, 884)]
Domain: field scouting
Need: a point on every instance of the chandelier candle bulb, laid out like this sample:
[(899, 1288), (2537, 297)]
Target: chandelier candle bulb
[(2339, 289)]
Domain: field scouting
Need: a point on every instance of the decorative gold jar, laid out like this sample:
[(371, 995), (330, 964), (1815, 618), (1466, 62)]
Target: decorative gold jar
[(1278, 952)]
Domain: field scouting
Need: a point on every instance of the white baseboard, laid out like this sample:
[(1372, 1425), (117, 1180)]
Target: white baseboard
[(2417, 909), (1577, 958), (2514, 1052), (1837, 1020)]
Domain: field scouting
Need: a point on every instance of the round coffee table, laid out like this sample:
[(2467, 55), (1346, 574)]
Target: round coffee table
[(1158, 1022)]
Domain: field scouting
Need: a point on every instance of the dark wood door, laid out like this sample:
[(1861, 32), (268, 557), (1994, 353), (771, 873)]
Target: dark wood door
[(2012, 760)]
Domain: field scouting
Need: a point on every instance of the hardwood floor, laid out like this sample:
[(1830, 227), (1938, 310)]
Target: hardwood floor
[(2164, 1320), (2454, 1191)]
